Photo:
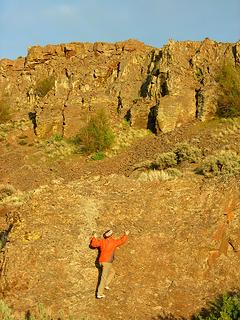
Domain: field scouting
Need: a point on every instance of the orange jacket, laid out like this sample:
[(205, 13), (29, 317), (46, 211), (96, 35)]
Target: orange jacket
[(107, 247)]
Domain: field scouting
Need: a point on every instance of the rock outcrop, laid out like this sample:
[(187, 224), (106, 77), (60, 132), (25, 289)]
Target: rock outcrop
[(56, 86)]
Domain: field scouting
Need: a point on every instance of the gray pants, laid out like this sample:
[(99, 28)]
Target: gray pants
[(107, 275)]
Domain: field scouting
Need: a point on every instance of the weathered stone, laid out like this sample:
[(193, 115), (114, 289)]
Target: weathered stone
[(158, 89)]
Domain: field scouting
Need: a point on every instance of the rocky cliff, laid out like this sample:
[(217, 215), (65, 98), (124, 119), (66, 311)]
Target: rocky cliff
[(184, 243), (159, 89)]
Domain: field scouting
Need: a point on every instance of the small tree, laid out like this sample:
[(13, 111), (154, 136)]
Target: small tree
[(229, 97), (97, 135)]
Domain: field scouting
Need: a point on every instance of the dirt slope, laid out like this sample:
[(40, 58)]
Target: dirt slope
[(184, 241), (178, 254)]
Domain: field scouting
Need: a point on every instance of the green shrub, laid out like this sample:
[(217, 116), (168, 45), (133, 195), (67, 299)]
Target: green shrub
[(44, 86), (97, 135), (199, 74), (22, 142), (98, 156), (164, 161), (4, 110), (173, 172), (226, 307), (186, 152), (5, 311), (168, 160), (222, 163), (57, 137), (229, 96)]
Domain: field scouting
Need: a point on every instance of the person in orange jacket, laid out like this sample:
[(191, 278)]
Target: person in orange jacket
[(107, 248)]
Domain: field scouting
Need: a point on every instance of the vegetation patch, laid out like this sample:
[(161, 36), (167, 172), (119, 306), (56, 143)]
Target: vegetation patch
[(4, 110), (44, 86), (164, 161), (187, 152), (57, 147), (183, 152), (22, 142), (98, 156), (41, 313), (221, 163), (97, 135), (226, 307), (125, 136), (229, 96), (162, 175)]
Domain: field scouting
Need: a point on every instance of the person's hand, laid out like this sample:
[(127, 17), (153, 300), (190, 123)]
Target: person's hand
[(127, 232)]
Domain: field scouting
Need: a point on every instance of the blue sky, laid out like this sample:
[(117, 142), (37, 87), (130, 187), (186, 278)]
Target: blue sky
[(25, 23)]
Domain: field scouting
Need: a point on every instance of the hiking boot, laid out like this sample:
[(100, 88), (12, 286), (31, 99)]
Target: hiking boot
[(100, 296)]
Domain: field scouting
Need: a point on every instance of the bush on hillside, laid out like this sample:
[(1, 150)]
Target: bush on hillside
[(44, 86), (229, 96), (4, 110), (165, 160), (98, 156), (222, 163), (96, 135), (226, 307), (186, 152), (169, 160), (5, 311)]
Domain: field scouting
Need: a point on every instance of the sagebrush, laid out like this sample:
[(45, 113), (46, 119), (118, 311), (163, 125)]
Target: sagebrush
[(222, 163), (183, 152), (186, 152)]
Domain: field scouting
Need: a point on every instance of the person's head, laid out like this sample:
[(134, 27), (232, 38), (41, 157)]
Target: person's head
[(108, 234)]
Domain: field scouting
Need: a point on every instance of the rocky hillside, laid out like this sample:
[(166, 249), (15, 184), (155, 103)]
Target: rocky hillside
[(184, 243), (183, 248), (57, 85)]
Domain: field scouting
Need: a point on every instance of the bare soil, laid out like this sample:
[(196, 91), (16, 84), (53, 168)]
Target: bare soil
[(184, 244)]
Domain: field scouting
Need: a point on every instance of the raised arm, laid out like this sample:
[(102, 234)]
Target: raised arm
[(95, 242), (123, 239)]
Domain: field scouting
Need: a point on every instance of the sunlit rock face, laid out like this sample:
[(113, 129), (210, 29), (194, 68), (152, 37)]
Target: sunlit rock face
[(158, 89)]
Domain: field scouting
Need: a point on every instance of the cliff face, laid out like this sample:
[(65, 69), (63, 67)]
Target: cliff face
[(158, 89)]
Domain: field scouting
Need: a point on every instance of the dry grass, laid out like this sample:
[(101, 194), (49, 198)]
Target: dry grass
[(161, 175)]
